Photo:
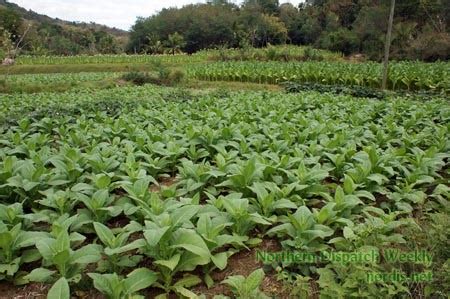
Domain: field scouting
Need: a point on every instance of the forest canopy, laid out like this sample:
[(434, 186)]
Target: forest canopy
[(348, 26)]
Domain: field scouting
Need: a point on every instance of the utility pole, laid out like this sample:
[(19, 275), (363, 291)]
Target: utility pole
[(387, 45)]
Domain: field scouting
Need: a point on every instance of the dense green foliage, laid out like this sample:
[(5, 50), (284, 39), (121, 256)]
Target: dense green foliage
[(313, 171), (421, 27), (272, 53), (402, 75), (44, 35), (60, 78), (98, 59)]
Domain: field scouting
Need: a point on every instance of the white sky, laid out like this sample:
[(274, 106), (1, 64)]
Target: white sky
[(114, 13)]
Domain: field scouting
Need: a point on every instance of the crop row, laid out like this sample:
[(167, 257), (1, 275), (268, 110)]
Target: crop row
[(60, 77), (106, 59), (402, 75), (271, 53), (83, 199)]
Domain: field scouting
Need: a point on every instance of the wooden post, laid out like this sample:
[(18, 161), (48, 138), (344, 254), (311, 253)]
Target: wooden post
[(387, 45)]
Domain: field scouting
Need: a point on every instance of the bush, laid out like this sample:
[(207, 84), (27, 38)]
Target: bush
[(137, 78), (342, 40), (164, 77), (271, 53), (312, 54), (431, 46), (353, 90), (175, 77)]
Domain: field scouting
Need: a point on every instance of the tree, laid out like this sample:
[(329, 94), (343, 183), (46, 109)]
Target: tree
[(342, 40), (175, 42), (270, 30), (11, 22), (263, 6)]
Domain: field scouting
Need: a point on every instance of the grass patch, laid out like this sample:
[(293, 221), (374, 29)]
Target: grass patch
[(15, 87), (162, 75), (73, 68), (229, 85)]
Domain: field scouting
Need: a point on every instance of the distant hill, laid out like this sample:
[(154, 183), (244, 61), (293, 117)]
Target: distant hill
[(53, 36), (34, 16)]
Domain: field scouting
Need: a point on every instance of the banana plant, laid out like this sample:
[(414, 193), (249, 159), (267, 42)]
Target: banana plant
[(116, 287)]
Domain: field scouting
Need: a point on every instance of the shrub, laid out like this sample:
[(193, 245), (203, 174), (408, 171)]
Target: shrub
[(137, 78), (164, 77), (312, 54), (342, 40), (431, 46), (175, 77)]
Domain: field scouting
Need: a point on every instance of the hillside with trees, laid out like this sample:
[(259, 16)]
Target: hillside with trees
[(421, 27), (43, 35)]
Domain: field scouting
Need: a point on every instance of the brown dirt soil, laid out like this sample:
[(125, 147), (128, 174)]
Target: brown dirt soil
[(30, 291), (244, 263), (165, 182), (39, 291)]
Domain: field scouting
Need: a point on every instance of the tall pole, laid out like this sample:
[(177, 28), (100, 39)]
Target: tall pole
[(387, 45)]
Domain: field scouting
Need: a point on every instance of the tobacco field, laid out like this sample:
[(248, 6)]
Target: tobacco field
[(151, 191)]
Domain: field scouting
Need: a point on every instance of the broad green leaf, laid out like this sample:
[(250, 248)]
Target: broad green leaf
[(104, 234), (170, 263), (60, 290), (39, 275), (254, 280), (191, 241), (139, 279)]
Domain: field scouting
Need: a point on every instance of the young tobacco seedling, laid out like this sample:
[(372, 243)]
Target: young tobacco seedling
[(212, 230), (13, 252), (116, 248), (69, 263), (59, 202), (116, 287), (247, 288), (193, 176), (100, 206), (303, 229), (243, 175), (238, 212), (267, 203), (175, 247)]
